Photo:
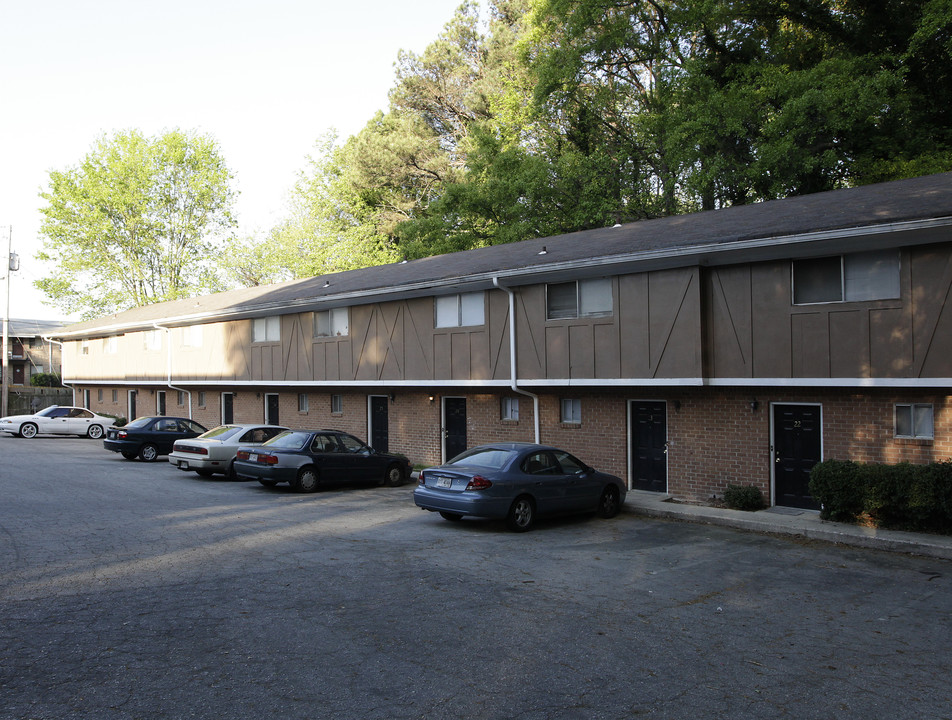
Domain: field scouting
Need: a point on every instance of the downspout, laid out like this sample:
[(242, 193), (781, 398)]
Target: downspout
[(513, 382), (168, 366), (50, 340)]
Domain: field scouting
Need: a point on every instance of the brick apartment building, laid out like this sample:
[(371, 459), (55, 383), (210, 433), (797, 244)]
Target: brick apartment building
[(684, 353)]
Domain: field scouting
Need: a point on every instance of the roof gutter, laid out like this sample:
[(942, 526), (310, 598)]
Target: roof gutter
[(168, 366), (513, 378)]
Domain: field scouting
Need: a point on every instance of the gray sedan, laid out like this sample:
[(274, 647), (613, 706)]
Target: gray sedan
[(517, 482)]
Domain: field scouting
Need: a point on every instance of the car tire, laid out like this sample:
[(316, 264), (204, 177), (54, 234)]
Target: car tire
[(148, 452), (129, 455), (94, 432), (268, 483), (395, 476), (28, 430), (608, 504), (521, 514), (307, 480), (452, 517)]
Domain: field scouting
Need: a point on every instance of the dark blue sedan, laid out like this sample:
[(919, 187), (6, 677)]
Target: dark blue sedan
[(517, 482), (149, 437), (306, 458)]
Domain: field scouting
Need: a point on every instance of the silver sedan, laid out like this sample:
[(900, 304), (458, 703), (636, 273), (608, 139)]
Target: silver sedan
[(214, 451)]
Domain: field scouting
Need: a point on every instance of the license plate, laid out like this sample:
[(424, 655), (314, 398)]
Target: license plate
[(182, 464), (444, 482), (253, 457)]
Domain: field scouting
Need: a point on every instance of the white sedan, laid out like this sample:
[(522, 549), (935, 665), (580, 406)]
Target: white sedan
[(57, 420), (214, 451)]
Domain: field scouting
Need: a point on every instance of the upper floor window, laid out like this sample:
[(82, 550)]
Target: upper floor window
[(110, 345), (331, 323), (192, 336), (846, 278), (152, 340), (461, 310), (582, 298), (914, 421), (84, 347), (266, 329)]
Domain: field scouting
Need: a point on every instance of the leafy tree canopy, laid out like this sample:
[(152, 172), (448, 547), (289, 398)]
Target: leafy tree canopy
[(135, 222)]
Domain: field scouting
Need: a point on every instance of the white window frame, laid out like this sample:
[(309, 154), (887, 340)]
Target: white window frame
[(84, 347), (192, 336), (332, 323), (266, 329), (509, 409), (152, 340), (110, 345), (920, 419), (303, 403), (864, 276), (570, 411), (589, 301), (337, 404), (463, 310)]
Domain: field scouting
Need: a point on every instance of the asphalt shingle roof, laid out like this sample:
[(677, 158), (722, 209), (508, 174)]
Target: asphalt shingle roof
[(915, 199)]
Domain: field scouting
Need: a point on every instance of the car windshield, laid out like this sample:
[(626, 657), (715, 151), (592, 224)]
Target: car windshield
[(494, 458), (290, 439), (222, 432)]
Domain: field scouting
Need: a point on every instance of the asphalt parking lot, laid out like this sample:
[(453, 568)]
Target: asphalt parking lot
[(134, 590)]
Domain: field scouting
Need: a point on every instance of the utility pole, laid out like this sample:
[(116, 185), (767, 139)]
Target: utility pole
[(11, 262)]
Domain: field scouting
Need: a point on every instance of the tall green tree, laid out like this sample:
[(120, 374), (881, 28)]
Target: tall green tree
[(136, 222)]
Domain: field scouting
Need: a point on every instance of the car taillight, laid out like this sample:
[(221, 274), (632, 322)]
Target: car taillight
[(268, 459), (478, 483), (421, 479), (122, 434), (243, 454)]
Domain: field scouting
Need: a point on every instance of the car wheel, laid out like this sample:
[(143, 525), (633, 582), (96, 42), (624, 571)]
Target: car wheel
[(148, 452), (231, 474), (128, 455), (307, 480), (608, 505), (204, 473), (94, 432), (521, 514), (268, 483), (452, 517), (395, 476), (28, 430)]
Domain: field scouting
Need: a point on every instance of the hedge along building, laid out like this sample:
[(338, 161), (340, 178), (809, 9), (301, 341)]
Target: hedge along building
[(685, 353)]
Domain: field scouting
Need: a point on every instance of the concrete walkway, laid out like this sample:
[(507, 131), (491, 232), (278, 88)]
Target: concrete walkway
[(790, 521)]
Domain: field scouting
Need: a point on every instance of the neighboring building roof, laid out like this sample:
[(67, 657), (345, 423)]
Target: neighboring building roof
[(842, 220), (22, 328)]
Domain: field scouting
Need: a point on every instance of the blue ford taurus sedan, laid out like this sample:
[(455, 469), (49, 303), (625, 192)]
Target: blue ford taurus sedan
[(306, 458), (517, 482)]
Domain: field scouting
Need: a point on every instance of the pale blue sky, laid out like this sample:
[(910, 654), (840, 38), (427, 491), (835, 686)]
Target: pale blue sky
[(266, 79)]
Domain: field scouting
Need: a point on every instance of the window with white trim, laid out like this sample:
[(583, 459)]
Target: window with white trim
[(464, 310), (337, 404), (571, 410), (302, 402), (110, 345), (192, 336), (510, 408), (914, 420), (332, 323), (152, 340), (267, 329), (582, 298), (84, 347), (847, 278)]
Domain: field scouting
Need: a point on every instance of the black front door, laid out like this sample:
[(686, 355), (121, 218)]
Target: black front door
[(227, 408), (379, 429), (797, 448), (132, 405), (271, 415), (454, 431), (649, 446)]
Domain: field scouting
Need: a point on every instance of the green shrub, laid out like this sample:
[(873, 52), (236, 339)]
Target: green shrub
[(902, 496), (835, 485), (741, 497), (45, 380)]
